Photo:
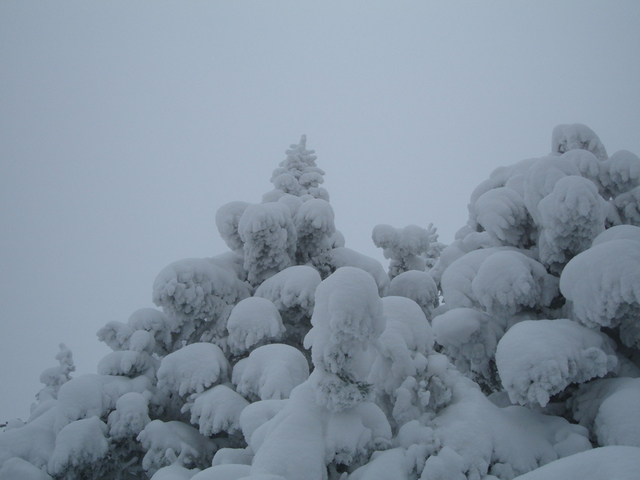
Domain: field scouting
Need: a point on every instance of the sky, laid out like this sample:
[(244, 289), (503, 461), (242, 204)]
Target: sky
[(124, 126)]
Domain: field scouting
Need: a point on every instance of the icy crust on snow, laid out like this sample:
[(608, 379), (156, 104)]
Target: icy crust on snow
[(314, 222), (606, 463), (197, 289), (610, 408), (227, 219), (174, 442), (577, 136), (217, 409), (539, 358), (469, 337), (572, 215), (345, 257), (254, 321), (619, 232), (603, 285), (270, 372), (292, 291), (419, 287), (304, 437), (193, 368), (81, 443), (269, 238)]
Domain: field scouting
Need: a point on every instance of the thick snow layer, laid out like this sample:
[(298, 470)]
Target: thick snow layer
[(571, 216), (303, 437), (270, 372), (619, 232), (193, 368), (33, 442), (125, 362), (172, 442), (541, 178), (227, 218), (217, 410), (130, 416), (314, 224), (19, 469), (223, 472), (404, 246), (539, 358), (476, 437), (577, 136), (157, 323), (628, 205), (623, 173), (174, 472), (469, 337), (254, 321), (606, 463), (419, 287), (502, 213), (609, 407), (603, 284), (269, 237), (345, 257), (347, 318), (508, 281), (197, 289), (257, 414), (292, 291), (79, 444)]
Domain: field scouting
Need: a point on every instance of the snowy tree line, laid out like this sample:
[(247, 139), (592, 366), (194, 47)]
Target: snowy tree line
[(512, 352)]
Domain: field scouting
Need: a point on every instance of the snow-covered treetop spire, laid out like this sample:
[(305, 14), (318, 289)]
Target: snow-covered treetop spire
[(298, 174)]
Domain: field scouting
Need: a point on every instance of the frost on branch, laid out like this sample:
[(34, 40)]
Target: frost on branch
[(227, 219), (407, 248), (174, 442), (270, 372), (346, 319), (217, 409), (539, 358), (314, 222), (470, 337), (501, 212), (572, 215), (577, 136), (603, 286), (269, 237), (79, 446), (192, 369), (198, 293), (419, 287), (130, 416), (254, 321)]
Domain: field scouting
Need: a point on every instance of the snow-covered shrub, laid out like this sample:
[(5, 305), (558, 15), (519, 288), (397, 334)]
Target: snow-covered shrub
[(130, 416), (227, 219), (345, 257), (254, 321), (314, 222), (577, 136), (501, 212)]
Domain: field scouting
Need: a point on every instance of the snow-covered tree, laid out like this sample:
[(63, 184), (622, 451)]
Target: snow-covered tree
[(512, 352)]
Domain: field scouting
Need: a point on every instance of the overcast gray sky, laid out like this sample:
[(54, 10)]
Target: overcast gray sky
[(125, 125)]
